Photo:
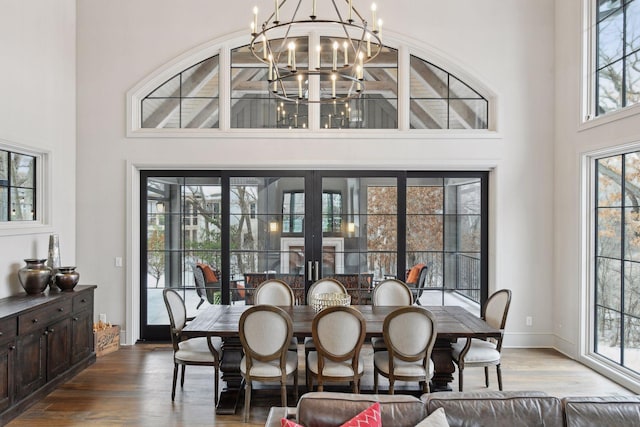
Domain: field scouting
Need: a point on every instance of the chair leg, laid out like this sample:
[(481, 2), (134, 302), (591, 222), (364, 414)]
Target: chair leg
[(247, 401), (391, 385), (175, 378), (486, 376), (215, 385), (459, 378), (283, 393), (295, 386), (375, 380), (499, 371), (182, 376)]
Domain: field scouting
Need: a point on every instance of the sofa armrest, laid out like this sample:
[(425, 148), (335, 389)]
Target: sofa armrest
[(276, 413), (619, 411)]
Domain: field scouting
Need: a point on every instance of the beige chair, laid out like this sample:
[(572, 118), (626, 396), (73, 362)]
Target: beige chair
[(265, 333), (477, 352), (389, 292), (322, 286), (409, 334), (201, 351), (338, 333), (276, 292)]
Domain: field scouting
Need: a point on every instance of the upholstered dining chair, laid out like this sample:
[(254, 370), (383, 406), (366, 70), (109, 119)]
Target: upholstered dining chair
[(321, 286), (389, 292), (203, 351), (338, 332), (409, 334), (477, 352), (276, 292), (265, 333)]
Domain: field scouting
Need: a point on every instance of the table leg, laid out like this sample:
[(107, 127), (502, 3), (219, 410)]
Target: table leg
[(443, 364), (230, 368)]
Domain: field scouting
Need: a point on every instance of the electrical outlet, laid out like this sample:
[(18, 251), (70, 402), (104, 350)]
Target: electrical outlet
[(529, 321), (118, 261)]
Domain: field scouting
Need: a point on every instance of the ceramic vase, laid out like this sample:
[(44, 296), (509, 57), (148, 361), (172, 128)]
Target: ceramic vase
[(35, 276), (53, 261), (66, 278)]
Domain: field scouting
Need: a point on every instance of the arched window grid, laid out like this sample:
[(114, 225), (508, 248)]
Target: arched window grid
[(222, 118)]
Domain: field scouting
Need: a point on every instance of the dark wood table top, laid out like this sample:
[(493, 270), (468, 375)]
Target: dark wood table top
[(453, 322)]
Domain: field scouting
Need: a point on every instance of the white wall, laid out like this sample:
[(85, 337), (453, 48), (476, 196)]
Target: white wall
[(574, 140), (509, 46), (37, 112)]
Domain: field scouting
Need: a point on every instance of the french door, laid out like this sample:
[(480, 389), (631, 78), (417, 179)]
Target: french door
[(359, 227)]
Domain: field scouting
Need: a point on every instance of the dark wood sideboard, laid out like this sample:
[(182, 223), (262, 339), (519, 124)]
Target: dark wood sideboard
[(45, 340)]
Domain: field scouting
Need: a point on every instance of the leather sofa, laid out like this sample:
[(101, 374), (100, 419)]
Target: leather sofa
[(485, 408)]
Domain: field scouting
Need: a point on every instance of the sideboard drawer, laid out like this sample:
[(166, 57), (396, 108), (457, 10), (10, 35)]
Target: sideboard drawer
[(82, 301), (8, 329), (41, 317)]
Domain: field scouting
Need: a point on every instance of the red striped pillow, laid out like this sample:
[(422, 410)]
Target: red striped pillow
[(370, 417)]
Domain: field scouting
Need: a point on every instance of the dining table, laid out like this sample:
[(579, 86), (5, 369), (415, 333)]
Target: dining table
[(452, 322)]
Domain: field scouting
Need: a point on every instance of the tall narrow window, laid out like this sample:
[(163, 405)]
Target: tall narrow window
[(617, 59), (617, 260)]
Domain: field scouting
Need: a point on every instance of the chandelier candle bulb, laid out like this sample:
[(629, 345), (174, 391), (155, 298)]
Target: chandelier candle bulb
[(270, 76), (299, 87), (373, 13), (277, 12), (335, 56), (345, 45), (350, 11), (264, 47), (333, 86), (368, 45), (380, 28), (254, 27), (313, 10), (318, 61)]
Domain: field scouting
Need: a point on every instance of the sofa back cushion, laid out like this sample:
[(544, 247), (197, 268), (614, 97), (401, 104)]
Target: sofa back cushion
[(619, 411), (497, 409), (328, 409)]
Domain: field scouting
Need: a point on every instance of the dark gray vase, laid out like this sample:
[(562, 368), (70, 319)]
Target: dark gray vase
[(66, 278), (34, 277)]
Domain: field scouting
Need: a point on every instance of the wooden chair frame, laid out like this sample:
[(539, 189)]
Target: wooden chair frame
[(177, 338), (262, 287), (506, 293), (353, 354), (280, 354), (394, 353)]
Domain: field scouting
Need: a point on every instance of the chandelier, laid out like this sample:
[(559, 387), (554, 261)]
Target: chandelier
[(312, 58)]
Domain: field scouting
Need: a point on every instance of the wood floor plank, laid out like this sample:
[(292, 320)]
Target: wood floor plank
[(132, 387)]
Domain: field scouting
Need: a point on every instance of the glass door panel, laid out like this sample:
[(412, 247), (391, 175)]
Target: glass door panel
[(359, 232), (266, 234), (182, 226)]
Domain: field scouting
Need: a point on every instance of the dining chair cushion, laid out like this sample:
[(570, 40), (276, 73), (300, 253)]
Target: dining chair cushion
[(401, 367), (481, 351), (271, 368), (197, 350), (348, 337), (265, 332), (370, 417), (334, 369)]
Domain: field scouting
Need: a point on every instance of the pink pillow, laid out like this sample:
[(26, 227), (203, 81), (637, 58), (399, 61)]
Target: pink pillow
[(370, 417)]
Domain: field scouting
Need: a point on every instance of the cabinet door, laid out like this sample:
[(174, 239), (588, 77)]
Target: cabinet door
[(82, 335), (31, 362), (6, 374), (58, 348)]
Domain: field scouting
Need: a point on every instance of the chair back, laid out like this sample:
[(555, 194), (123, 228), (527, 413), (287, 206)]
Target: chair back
[(325, 285), (338, 333), (177, 314), (392, 292), (198, 276), (495, 312), (496, 308), (274, 292), (265, 333), (410, 334)]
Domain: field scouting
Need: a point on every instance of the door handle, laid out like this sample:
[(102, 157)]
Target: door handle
[(309, 270), (316, 268)]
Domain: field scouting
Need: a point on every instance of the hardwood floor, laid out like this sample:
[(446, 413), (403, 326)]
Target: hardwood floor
[(132, 387)]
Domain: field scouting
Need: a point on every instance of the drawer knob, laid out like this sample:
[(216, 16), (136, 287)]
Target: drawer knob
[(0, 334), (61, 309), (83, 300), (35, 320), (12, 347), (75, 319)]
